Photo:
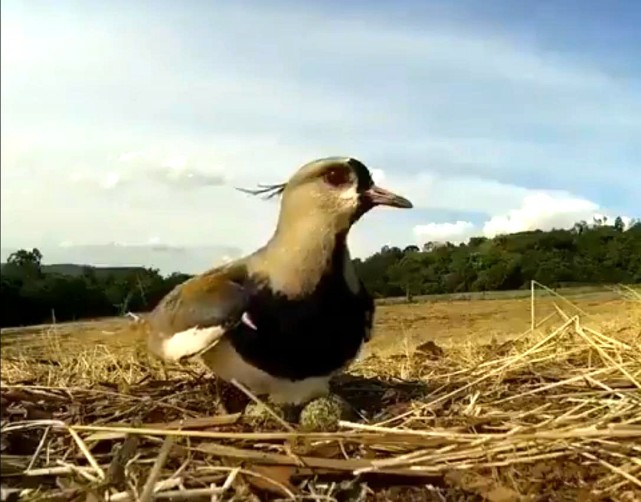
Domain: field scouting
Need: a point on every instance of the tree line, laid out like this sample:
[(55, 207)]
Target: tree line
[(587, 254), (33, 293)]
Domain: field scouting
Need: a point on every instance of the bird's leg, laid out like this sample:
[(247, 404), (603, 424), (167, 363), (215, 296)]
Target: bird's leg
[(323, 414)]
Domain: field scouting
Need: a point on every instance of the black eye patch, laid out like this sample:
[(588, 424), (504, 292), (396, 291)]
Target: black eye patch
[(362, 174)]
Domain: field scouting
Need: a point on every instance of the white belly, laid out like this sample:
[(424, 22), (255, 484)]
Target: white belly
[(227, 364)]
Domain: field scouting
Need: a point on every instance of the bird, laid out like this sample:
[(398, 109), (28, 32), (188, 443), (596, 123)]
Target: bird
[(286, 318)]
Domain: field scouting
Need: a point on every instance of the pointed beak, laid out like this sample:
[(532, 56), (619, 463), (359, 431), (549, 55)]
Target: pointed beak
[(380, 197)]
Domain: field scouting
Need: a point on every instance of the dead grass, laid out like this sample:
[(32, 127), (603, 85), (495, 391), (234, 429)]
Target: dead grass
[(553, 413)]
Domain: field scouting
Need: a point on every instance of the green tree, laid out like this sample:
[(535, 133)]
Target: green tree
[(619, 225), (406, 274), (585, 254), (27, 264)]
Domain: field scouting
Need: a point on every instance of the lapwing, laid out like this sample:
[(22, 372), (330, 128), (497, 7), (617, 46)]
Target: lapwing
[(286, 318)]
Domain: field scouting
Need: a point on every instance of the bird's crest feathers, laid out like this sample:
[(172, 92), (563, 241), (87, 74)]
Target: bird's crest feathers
[(267, 191)]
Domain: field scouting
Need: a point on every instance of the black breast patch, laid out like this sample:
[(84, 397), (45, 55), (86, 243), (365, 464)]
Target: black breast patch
[(307, 337), (297, 339)]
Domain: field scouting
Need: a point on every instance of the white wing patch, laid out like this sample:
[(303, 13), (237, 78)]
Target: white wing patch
[(190, 343)]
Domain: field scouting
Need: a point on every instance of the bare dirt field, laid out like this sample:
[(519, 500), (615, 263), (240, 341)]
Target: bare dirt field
[(400, 327), (453, 400), (447, 322)]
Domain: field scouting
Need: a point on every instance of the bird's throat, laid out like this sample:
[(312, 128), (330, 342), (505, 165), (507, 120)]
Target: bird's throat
[(297, 259)]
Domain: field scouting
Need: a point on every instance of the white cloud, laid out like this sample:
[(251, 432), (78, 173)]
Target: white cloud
[(541, 211), (101, 180), (538, 211), (177, 171), (457, 232), (458, 192)]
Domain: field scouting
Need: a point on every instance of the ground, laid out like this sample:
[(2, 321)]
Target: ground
[(455, 399)]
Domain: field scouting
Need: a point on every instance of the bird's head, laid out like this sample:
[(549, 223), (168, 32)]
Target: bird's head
[(336, 190)]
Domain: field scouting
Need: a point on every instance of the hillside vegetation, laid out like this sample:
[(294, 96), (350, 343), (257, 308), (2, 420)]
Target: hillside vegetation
[(33, 293), (584, 255)]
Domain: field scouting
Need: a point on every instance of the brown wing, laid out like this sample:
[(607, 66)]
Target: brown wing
[(197, 313)]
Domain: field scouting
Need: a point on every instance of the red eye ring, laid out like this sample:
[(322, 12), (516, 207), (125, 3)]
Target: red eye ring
[(337, 177)]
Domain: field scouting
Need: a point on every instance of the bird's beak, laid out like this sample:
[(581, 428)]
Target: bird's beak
[(380, 197)]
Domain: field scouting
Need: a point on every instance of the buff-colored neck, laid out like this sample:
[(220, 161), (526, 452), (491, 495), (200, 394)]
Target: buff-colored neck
[(300, 252)]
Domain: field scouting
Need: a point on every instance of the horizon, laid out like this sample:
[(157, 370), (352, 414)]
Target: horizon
[(132, 123), (162, 257)]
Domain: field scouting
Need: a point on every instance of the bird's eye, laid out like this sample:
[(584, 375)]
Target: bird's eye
[(337, 177)]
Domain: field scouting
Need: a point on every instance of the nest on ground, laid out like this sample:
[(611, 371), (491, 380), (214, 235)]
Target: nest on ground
[(551, 414)]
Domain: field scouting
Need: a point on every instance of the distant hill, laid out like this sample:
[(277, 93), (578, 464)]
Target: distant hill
[(74, 270), (167, 259)]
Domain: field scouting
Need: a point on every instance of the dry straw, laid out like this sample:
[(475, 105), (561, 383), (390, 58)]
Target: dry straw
[(551, 414)]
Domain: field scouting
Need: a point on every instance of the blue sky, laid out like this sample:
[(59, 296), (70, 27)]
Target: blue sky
[(131, 122)]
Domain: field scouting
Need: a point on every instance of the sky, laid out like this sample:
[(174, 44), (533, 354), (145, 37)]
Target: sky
[(126, 126)]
